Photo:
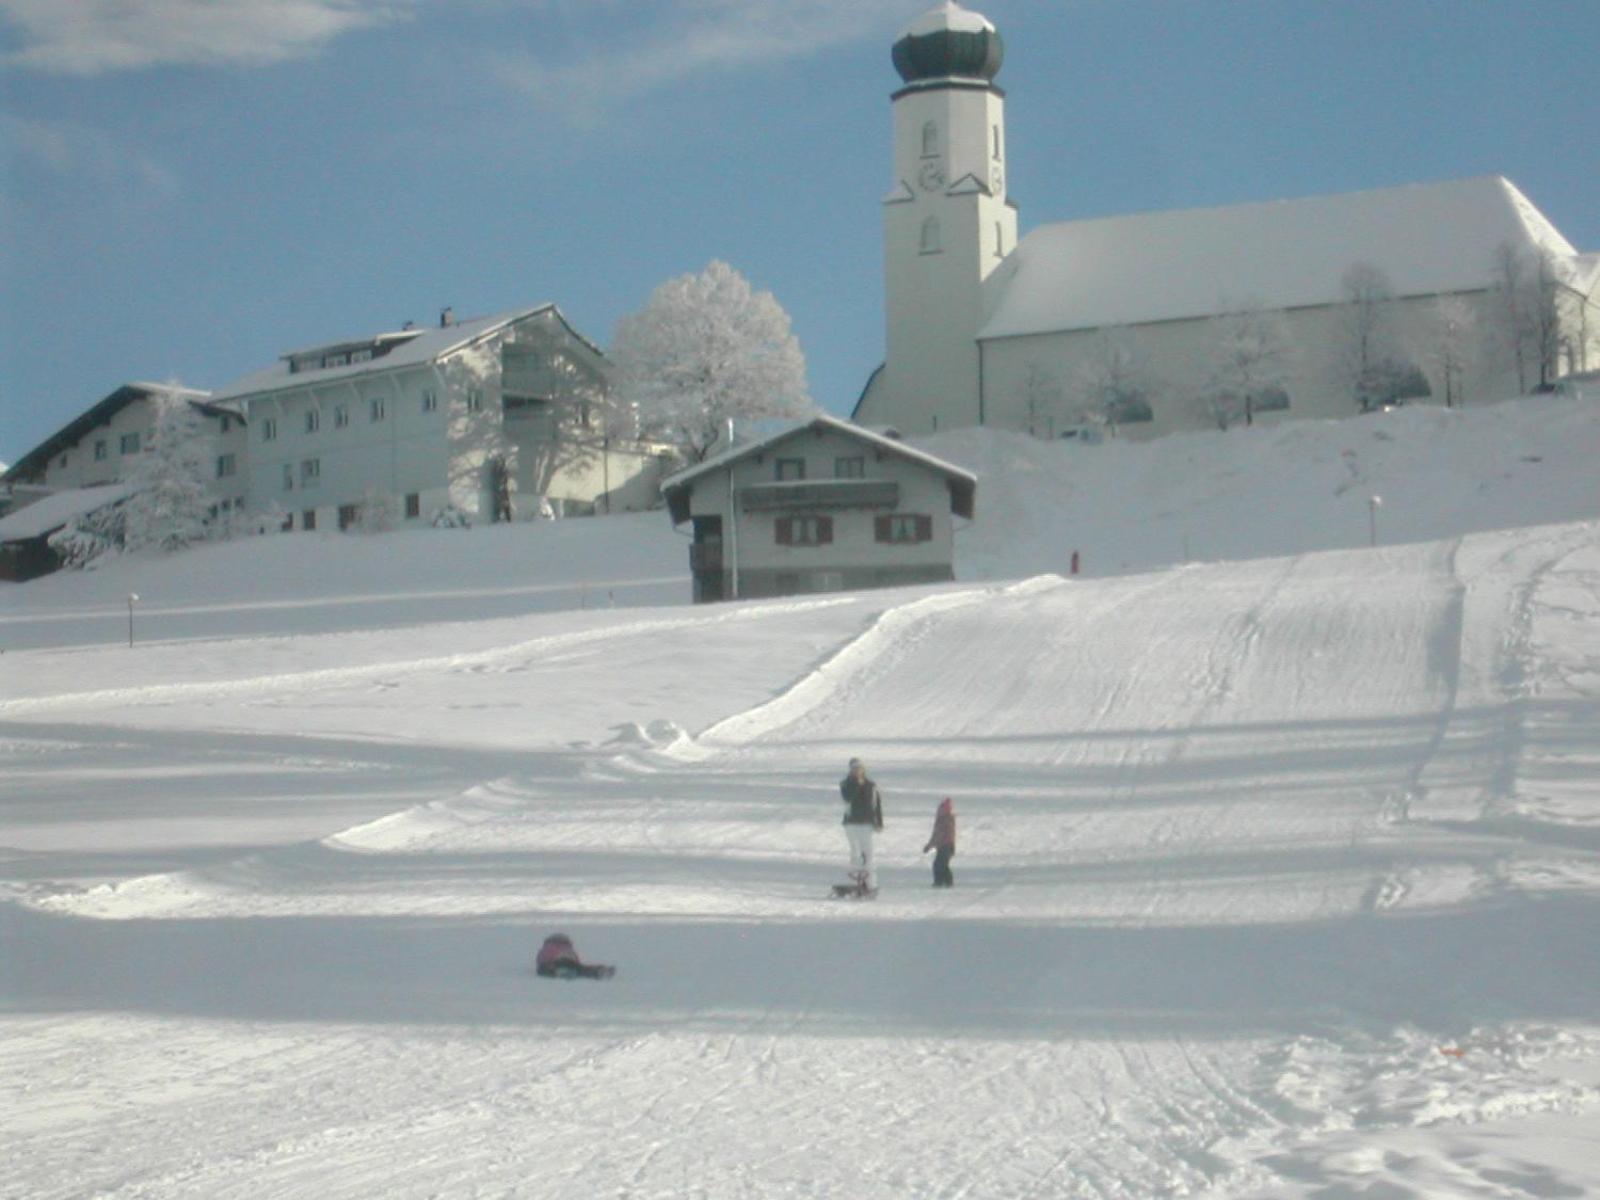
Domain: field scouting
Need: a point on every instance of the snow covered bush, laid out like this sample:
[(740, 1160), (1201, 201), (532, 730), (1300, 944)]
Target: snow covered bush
[(88, 537), (450, 517), (706, 349)]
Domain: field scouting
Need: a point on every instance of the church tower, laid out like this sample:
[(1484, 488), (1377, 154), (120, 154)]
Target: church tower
[(947, 223)]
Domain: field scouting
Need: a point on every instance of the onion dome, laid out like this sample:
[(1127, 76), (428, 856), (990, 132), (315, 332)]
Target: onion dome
[(949, 42)]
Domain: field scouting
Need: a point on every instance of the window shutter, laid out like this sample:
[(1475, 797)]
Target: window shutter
[(824, 530), (924, 528), (785, 531), (880, 529)]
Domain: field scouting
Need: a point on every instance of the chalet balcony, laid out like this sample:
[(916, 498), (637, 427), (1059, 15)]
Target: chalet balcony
[(705, 556), (819, 493)]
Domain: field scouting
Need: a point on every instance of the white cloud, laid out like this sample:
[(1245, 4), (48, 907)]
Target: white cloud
[(87, 37), (653, 47), (67, 148)]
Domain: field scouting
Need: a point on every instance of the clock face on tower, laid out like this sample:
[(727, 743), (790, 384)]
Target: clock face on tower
[(931, 177)]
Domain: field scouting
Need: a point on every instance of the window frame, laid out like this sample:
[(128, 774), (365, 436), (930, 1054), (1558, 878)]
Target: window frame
[(782, 469), (902, 529), (816, 528)]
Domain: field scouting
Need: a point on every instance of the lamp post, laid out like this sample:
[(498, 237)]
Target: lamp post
[(1374, 503), (133, 598)]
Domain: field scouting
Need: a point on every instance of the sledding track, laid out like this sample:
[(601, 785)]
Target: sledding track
[(1220, 899)]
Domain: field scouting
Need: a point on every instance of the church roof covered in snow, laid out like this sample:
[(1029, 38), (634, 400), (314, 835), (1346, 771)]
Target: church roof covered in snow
[(1167, 266), (383, 352)]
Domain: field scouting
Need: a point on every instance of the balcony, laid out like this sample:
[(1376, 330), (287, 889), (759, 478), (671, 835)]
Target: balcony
[(819, 493), (705, 556)]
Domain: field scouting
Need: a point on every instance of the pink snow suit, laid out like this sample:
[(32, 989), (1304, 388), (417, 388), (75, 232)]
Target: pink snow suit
[(557, 949)]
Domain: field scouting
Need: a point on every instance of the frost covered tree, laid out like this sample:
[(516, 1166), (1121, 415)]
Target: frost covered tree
[(170, 505), (378, 513), (1371, 353), (705, 349), (1041, 399), (1114, 383), (1454, 327), (1527, 313), (1248, 368)]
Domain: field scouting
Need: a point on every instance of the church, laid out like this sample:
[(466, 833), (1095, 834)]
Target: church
[(1445, 293)]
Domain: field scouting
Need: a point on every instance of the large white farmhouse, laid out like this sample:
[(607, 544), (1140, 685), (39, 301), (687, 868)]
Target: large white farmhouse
[(490, 418), (1155, 322)]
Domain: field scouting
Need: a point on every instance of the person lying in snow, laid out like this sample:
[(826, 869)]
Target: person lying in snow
[(558, 959)]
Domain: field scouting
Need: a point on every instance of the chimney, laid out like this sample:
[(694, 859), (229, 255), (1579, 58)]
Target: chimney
[(447, 317)]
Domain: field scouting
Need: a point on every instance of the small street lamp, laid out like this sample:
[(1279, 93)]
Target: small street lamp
[(133, 598), (1374, 503)]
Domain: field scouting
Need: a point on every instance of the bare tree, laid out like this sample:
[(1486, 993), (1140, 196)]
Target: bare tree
[(705, 349), (1372, 356), (1454, 326), (1041, 397), (1114, 383), (1248, 371)]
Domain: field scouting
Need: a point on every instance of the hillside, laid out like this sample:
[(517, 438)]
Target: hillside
[(1276, 876)]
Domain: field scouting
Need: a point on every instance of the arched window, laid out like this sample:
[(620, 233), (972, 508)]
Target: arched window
[(930, 139), (930, 236)]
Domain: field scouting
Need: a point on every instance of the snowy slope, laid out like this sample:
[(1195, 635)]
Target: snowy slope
[(1277, 876)]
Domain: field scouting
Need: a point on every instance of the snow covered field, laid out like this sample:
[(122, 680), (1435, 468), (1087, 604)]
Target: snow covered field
[(1279, 873)]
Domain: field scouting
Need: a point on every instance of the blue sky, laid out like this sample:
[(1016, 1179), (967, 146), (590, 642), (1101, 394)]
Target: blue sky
[(189, 188)]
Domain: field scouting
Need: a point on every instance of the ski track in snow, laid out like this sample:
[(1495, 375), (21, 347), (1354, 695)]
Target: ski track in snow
[(1229, 837)]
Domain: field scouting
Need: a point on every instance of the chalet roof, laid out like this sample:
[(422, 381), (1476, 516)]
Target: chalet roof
[(1164, 266), (414, 349), (55, 510), (963, 484), (100, 413)]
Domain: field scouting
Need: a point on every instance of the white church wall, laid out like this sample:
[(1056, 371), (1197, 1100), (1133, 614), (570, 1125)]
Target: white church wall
[(1041, 383)]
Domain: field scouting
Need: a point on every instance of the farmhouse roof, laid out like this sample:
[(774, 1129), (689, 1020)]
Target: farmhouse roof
[(55, 510), (1164, 266), (963, 484), (402, 348), (97, 415)]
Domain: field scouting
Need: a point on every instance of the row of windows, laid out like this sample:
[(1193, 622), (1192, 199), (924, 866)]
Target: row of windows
[(817, 529), (852, 467), (377, 410), (350, 514)]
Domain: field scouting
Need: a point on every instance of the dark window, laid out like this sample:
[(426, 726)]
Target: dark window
[(341, 415), (313, 420), (100, 451), (376, 407), (903, 527), (850, 468), (226, 465), (349, 514), (308, 519), (805, 531), (269, 428), (791, 468), (413, 505), (130, 443)]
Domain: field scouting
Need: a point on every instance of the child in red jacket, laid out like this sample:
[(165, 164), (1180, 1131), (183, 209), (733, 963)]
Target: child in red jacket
[(558, 959), (943, 841)]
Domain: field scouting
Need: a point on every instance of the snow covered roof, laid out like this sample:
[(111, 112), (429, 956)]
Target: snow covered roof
[(55, 510), (96, 415), (963, 484), (1164, 266), (426, 346)]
